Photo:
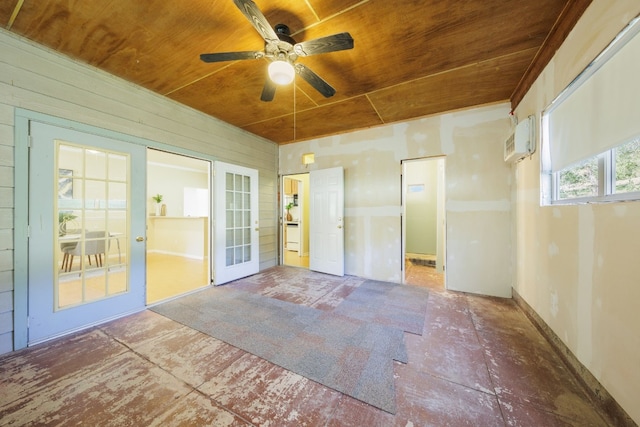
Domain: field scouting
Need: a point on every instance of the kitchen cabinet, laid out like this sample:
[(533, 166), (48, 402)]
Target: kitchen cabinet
[(290, 186)]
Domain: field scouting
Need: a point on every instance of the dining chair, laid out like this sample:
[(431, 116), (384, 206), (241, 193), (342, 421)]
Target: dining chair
[(66, 247), (94, 244)]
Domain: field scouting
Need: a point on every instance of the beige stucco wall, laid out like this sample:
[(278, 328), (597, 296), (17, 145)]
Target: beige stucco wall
[(478, 191), (577, 266)]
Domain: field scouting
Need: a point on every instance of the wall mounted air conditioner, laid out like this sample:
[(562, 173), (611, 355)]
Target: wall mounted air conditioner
[(522, 142)]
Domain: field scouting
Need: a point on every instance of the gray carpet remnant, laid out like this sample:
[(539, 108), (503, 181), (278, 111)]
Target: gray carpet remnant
[(350, 349)]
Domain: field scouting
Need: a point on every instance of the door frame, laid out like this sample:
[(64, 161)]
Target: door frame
[(304, 236), (21, 202), (173, 152), (441, 221)]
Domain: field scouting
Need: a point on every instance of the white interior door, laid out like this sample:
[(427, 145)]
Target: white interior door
[(87, 228), (326, 221), (236, 212)]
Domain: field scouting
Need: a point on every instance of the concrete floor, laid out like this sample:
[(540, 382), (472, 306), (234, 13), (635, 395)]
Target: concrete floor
[(478, 362)]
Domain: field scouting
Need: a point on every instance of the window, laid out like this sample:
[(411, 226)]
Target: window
[(613, 175), (627, 167), (580, 180), (591, 131)]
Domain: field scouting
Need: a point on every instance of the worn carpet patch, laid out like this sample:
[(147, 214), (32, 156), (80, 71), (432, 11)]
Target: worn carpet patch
[(350, 349)]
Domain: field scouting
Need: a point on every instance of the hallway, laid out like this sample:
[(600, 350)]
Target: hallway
[(478, 362)]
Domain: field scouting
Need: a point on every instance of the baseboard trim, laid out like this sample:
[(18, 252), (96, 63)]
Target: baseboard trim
[(598, 394)]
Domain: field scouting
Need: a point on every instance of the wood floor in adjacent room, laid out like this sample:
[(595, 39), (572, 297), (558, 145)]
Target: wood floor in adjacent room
[(478, 362), (292, 258), (424, 276), (170, 275)]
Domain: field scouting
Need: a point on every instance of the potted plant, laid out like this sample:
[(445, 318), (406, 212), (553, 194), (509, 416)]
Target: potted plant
[(158, 199), (288, 208), (63, 219)]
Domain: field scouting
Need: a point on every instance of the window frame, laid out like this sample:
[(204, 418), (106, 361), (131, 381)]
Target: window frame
[(550, 180), (606, 185)]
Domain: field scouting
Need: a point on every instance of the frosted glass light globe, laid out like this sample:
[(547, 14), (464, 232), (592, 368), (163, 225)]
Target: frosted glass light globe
[(281, 72)]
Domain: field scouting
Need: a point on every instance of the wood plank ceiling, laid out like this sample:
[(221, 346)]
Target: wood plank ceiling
[(411, 58)]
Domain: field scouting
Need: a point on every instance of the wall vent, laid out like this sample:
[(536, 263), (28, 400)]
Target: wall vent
[(521, 142)]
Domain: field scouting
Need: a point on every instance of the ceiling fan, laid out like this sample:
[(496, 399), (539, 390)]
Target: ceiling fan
[(282, 51)]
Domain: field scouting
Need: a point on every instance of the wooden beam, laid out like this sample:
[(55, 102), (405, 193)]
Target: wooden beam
[(570, 15), (14, 15)]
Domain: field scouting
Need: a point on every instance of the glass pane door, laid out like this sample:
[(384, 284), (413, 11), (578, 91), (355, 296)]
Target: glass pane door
[(92, 232), (236, 239), (87, 230), (238, 225)]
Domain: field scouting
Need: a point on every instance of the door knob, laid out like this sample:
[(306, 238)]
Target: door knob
[(339, 226), (139, 239)]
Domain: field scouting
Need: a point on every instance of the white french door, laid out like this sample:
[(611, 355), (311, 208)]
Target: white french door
[(326, 221), (87, 228), (236, 212)]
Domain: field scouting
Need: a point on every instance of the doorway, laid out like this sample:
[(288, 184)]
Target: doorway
[(178, 231), (319, 242), (424, 222), (295, 220)]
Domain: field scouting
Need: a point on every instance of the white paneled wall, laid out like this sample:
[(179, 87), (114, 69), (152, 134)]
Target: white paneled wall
[(37, 79), (6, 228)]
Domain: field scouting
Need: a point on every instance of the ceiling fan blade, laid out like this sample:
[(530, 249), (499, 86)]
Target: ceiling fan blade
[(257, 19), (342, 41), (269, 91), (315, 80), (230, 56)]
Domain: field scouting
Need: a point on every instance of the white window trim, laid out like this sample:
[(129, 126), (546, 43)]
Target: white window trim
[(606, 185), (549, 185)]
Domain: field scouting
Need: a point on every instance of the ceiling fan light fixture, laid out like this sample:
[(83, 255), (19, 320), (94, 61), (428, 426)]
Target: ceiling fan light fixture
[(281, 72)]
